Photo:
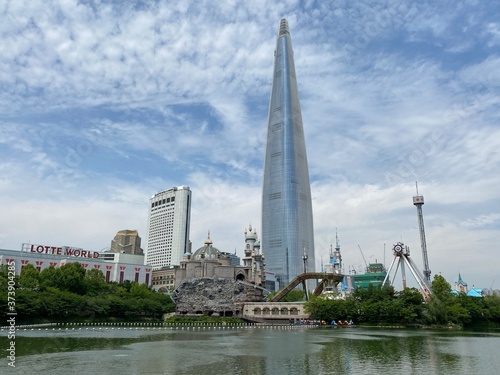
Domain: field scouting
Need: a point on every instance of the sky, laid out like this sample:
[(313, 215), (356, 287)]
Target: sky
[(105, 103)]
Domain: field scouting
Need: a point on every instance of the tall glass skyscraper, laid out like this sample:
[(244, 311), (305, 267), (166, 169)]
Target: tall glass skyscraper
[(287, 221)]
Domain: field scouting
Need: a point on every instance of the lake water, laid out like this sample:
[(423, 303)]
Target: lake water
[(250, 350)]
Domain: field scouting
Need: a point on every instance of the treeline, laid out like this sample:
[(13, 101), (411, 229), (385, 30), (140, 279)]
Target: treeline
[(71, 293), (379, 305)]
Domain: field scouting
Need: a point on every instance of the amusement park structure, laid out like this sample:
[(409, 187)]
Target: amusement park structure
[(402, 256), (418, 201)]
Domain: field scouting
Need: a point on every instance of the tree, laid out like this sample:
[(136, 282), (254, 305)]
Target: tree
[(411, 305), (94, 282), (30, 277), (441, 289), (444, 307), (72, 278), (50, 277)]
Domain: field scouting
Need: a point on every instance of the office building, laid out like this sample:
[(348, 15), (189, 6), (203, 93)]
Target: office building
[(168, 227), (287, 219), (126, 242)]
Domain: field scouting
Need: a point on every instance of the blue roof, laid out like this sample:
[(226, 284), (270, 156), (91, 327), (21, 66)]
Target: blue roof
[(475, 293)]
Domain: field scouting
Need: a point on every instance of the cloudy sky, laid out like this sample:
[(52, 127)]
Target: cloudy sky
[(104, 103)]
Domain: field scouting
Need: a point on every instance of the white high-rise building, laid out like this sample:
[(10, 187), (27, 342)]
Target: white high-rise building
[(168, 227)]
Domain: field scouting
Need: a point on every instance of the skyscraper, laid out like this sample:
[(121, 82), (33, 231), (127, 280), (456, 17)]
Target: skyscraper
[(168, 227), (287, 221), (128, 242)]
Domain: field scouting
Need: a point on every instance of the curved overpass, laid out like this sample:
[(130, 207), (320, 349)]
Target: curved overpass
[(307, 276)]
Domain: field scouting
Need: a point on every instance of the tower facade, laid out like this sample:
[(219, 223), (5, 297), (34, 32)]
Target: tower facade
[(287, 219), (168, 227)]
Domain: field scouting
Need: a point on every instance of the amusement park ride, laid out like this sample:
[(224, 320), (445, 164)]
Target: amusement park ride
[(375, 271), (402, 256)]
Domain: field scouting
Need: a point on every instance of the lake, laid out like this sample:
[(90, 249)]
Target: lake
[(256, 350)]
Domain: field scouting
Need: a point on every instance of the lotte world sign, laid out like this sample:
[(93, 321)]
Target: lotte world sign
[(64, 250)]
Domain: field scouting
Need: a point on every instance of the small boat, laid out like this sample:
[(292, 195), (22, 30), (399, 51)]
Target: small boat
[(342, 323)]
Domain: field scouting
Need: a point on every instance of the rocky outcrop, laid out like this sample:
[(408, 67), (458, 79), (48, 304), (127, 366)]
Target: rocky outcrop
[(214, 296)]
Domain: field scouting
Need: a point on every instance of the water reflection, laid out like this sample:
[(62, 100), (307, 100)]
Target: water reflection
[(256, 351)]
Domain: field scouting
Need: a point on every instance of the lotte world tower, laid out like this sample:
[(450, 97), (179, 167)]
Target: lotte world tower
[(287, 220)]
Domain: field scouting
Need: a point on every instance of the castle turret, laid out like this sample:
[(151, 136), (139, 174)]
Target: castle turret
[(254, 259)]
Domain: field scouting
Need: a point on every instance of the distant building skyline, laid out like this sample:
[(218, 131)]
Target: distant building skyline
[(126, 242), (287, 219), (169, 218)]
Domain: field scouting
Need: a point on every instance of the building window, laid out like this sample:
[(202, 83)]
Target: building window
[(137, 277), (121, 277), (108, 276), (147, 279)]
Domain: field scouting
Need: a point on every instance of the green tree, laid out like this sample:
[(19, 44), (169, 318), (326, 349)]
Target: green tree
[(492, 306), (30, 277), (411, 305), (50, 277), (140, 290), (29, 303), (94, 282), (443, 307), (72, 278), (441, 289)]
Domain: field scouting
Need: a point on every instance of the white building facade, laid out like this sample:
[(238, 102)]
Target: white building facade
[(114, 266), (169, 217)]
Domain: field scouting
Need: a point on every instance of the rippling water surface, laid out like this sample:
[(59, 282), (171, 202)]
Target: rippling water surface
[(253, 350)]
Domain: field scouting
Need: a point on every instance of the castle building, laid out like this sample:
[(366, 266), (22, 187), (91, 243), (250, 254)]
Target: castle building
[(169, 218), (210, 262), (460, 285), (287, 218), (207, 283)]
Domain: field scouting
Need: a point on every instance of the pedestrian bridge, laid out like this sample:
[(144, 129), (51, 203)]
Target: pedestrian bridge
[(322, 276)]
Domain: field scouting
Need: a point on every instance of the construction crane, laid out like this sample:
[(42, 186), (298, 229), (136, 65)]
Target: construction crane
[(364, 260)]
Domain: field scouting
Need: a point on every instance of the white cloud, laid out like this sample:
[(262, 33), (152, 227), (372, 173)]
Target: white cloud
[(103, 105)]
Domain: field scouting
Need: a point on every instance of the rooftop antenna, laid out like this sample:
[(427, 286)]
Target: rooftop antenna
[(418, 201)]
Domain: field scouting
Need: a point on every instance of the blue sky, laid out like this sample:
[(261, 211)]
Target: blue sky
[(105, 103)]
